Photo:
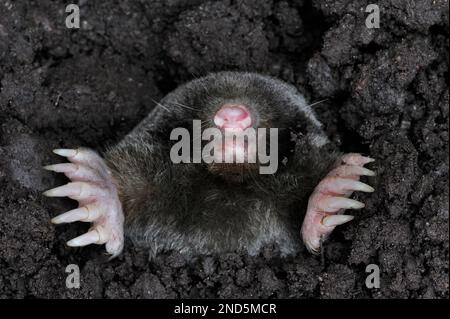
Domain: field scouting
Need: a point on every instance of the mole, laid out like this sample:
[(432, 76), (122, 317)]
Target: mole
[(165, 187)]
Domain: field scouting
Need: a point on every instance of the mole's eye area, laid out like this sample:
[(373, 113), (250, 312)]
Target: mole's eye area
[(233, 116)]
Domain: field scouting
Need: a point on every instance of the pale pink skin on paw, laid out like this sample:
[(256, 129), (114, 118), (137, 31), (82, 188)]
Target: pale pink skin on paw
[(93, 187), (330, 199)]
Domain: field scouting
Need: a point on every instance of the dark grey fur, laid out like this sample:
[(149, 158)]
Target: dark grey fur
[(196, 210)]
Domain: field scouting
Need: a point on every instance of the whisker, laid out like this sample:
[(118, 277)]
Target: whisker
[(205, 124), (161, 105), (194, 75), (185, 106), (318, 102)]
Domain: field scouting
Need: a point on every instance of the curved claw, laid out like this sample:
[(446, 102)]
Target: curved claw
[(75, 172), (75, 190), (65, 152), (62, 168), (94, 236), (332, 204), (86, 213), (339, 185), (351, 170), (336, 220)]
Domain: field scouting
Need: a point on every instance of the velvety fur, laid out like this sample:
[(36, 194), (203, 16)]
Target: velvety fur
[(197, 208)]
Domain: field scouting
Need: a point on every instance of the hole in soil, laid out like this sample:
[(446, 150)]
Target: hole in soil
[(371, 48), (352, 142)]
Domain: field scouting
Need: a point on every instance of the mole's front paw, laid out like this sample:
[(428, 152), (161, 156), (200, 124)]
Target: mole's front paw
[(92, 186), (330, 198)]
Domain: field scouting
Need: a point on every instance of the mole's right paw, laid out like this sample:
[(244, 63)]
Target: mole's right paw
[(92, 186), (331, 198)]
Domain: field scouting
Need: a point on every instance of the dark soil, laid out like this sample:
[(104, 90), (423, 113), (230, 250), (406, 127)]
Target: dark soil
[(387, 94)]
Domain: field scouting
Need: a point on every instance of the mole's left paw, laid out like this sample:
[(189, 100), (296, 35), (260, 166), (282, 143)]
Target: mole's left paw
[(330, 199), (92, 186)]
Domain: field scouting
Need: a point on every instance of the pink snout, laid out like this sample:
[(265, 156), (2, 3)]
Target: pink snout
[(233, 116)]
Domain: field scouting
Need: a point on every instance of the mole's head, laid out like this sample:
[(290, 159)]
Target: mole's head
[(241, 114)]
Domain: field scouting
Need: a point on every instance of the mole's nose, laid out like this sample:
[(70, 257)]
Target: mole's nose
[(233, 116)]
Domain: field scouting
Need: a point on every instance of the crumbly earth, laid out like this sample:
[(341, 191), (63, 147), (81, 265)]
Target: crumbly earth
[(387, 95)]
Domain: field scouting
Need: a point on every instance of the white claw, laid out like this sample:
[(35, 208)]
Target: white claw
[(351, 185), (75, 172), (359, 186), (61, 168), (75, 190), (335, 220), (333, 204), (337, 185), (70, 189), (349, 170), (86, 213), (65, 152), (71, 216), (94, 236), (366, 171)]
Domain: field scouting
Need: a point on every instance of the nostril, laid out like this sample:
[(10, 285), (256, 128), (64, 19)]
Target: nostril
[(232, 116)]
